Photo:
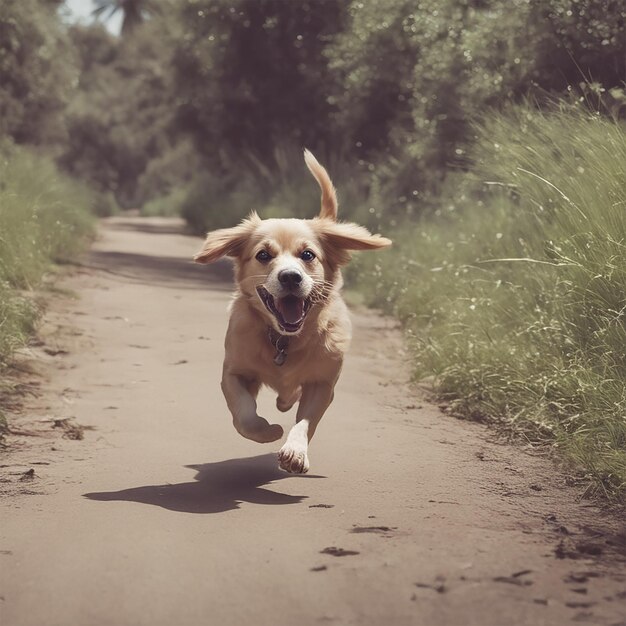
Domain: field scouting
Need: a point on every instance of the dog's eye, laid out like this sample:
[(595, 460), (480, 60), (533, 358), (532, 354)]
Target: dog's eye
[(307, 255), (263, 256)]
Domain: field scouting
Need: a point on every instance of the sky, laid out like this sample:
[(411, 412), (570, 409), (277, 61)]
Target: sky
[(80, 10)]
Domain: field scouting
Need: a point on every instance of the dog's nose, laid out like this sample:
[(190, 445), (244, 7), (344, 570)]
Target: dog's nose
[(290, 278)]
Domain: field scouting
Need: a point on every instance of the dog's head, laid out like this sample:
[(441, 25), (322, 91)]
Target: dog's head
[(285, 267)]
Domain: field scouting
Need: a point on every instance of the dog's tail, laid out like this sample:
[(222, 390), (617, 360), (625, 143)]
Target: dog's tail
[(329, 195)]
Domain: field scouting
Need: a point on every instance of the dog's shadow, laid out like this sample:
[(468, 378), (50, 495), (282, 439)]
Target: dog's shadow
[(218, 487)]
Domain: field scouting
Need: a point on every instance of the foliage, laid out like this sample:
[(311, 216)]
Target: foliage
[(251, 75), (37, 70), (482, 54), (120, 119), (289, 190), (375, 59), (171, 170), (391, 86), (134, 12), (416, 75)]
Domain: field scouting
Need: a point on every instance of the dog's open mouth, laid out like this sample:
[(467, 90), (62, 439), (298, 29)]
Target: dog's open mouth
[(289, 311)]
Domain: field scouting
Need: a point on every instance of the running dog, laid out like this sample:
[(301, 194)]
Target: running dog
[(289, 327)]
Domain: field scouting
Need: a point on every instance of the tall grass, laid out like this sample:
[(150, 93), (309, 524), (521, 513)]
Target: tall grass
[(514, 295), (44, 218)]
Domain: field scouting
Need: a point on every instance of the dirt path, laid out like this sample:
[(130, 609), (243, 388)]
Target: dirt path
[(163, 515)]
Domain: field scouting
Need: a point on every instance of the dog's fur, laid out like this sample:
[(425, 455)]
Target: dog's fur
[(288, 281)]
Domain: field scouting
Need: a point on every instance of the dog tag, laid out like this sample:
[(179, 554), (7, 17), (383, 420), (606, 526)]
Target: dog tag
[(281, 344)]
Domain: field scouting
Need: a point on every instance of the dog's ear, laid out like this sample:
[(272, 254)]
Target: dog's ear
[(227, 241), (339, 238), (329, 195)]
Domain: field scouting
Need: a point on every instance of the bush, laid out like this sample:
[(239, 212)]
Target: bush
[(286, 190), (104, 204), (219, 201), (167, 205), (166, 178)]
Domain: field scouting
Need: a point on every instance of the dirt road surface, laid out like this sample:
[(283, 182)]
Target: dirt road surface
[(164, 515)]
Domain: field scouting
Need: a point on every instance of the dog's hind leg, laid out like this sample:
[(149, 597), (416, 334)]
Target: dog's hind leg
[(240, 396), (293, 456), (285, 402)]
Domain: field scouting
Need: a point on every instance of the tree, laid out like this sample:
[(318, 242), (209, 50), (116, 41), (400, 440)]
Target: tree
[(37, 71), (121, 116), (134, 12), (415, 76), (251, 75)]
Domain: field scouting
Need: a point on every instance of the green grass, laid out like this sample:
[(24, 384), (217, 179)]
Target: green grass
[(514, 293), (44, 219)]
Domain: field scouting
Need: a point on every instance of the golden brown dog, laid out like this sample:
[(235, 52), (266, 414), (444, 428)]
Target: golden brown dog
[(289, 328)]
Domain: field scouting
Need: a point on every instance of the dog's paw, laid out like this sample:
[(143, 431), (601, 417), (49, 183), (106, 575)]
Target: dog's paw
[(260, 430), (293, 458)]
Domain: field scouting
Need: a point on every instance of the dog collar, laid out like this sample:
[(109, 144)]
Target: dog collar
[(281, 343)]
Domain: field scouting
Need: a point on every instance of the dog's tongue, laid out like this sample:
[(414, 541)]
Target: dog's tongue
[(291, 308)]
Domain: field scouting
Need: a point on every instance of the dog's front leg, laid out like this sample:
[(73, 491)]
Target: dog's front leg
[(240, 397), (316, 398)]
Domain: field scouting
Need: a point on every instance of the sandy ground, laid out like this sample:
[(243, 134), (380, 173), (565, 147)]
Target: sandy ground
[(164, 515)]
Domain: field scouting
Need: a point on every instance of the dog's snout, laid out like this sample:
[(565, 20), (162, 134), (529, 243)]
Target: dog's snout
[(290, 278)]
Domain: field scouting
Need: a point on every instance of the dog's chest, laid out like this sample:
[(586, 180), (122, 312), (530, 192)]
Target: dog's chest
[(299, 366), (282, 368)]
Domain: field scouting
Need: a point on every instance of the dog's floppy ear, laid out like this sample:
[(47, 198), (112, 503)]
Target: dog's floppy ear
[(329, 195), (227, 241), (339, 238)]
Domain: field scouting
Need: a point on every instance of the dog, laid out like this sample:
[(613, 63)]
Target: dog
[(289, 327)]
